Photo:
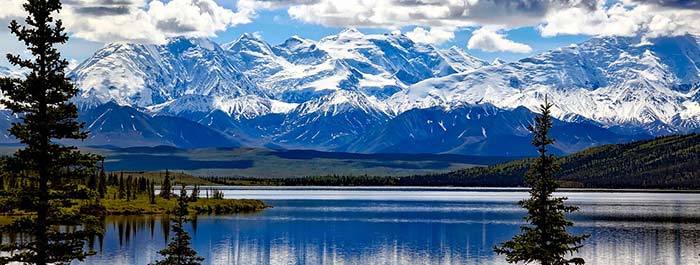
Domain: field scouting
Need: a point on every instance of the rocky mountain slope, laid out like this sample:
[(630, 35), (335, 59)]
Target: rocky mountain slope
[(385, 93)]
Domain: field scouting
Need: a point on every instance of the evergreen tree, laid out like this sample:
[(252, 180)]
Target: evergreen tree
[(545, 239), (121, 190), (178, 251), (128, 186), (92, 181), (153, 193), (165, 190), (195, 193), (49, 173), (134, 189), (102, 186), (112, 179)]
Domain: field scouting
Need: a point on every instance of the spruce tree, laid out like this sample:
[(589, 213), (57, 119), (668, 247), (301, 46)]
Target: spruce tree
[(102, 186), (167, 186), (134, 189), (178, 251), (194, 196), (152, 192), (121, 190), (545, 239), (128, 186), (49, 174), (92, 181)]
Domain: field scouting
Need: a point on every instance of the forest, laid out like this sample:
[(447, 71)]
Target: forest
[(669, 162)]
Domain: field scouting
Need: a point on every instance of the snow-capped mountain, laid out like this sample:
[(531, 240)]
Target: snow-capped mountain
[(377, 66), (141, 75), (613, 80), (331, 121), (481, 129), (385, 93), (12, 72)]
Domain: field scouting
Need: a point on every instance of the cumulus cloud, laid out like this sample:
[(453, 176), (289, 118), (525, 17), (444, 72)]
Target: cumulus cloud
[(649, 18), (685, 4), (433, 36), (490, 41), (433, 21), (436, 20), (430, 13), (142, 21), (12, 9)]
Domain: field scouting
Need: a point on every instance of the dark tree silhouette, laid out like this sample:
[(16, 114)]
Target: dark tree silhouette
[(121, 189), (49, 173), (92, 181), (178, 251), (102, 185), (167, 187), (152, 193), (545, 239)]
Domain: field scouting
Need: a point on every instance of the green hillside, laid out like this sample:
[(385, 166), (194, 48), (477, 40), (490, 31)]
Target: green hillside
[(267, 163), (665, 162)]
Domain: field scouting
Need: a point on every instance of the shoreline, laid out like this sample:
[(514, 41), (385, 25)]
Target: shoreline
[(162, 206), (445, 188)]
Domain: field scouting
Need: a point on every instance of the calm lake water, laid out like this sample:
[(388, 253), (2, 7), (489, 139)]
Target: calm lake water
[(413, 226)]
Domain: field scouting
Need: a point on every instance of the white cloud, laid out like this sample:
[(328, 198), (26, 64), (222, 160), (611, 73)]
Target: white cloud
[(435, 36), (138, 21), (435, 21), (650, 18), (553, 17), (12, 9), (490, 41)]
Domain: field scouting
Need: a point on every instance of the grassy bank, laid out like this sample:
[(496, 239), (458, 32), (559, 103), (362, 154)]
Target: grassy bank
[(163, 206), (141, 205)]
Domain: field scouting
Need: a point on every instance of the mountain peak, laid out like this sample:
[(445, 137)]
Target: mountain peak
[(250, 36), (248, 42), (351, 32), (497, 61), (181, 43)]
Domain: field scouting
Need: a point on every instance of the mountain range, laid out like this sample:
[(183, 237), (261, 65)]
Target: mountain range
[(382, 93)]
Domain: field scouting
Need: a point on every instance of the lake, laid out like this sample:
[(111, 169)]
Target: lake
[(321, 225)]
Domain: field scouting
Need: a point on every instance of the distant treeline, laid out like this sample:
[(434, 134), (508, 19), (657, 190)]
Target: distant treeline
[(669, 162)]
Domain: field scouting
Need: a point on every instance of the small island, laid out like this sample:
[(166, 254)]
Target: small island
[(136, 193), (141, 206)]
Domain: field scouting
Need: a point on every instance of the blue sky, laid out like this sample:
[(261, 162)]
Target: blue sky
[(488, 29)]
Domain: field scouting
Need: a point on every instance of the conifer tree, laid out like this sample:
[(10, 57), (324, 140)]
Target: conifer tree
[(92, 181), (178, 251), (134, 189), (128, 186), (545, 239), (121, 190), (166, 189), (195, 193), (112, 179), (102, 186), (49, 174), (153, 193)]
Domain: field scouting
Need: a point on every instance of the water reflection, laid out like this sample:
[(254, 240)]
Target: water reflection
[(357, 231)]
